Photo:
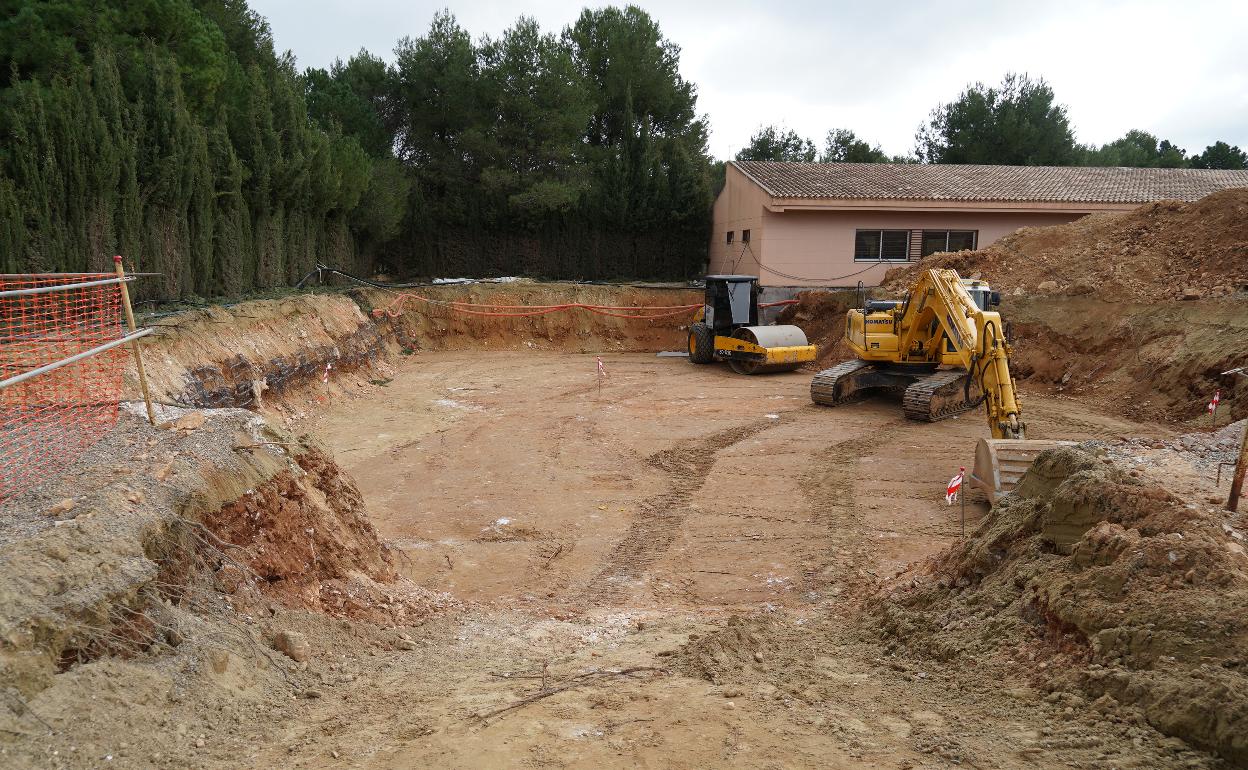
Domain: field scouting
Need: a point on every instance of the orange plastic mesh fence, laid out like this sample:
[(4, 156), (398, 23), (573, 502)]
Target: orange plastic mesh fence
[(52, 418)]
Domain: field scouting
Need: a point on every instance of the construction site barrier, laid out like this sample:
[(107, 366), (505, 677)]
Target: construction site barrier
[(395, 308), (61, 368)]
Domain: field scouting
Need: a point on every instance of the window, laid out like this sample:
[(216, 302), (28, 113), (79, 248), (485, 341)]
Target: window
[(745, 236), (882, 244), (729, 241), (947, 240)]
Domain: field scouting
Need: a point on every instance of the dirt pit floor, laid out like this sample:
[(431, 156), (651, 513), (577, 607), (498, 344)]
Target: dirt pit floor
[(682, 555)]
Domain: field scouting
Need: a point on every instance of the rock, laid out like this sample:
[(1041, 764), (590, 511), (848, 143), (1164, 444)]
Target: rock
[(64, 506), (313, 693), (189, 422), (293, 644), (758, 657), (1235, 548), (1191, 292), (1046, 287), (164, 472), (220, 660), (731, 692), (135, 497), (200, 743), (406, 644)]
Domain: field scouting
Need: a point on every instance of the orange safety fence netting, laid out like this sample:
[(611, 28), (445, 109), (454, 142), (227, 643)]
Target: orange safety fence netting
[(395, 308), (50, 419)]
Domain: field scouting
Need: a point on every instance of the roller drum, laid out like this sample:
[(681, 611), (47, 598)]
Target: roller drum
[(768, 337)]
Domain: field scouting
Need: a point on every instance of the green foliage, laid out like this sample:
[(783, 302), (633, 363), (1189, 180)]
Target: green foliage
[(1016, 123), (352, 97), (572, 156), (168, 131), (1138, 149), (778, 144), (843, 146), (1221, 155)]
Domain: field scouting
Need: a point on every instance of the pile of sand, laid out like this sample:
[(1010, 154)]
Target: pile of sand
[(1112, 586), (1165, 250)]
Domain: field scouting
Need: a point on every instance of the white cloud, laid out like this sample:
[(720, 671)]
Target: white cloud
[(878, 68)]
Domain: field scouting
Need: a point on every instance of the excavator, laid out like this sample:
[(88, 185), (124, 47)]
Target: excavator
[(945, 349)]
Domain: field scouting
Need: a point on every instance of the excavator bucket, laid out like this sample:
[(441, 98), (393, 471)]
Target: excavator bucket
[(1001, 462)]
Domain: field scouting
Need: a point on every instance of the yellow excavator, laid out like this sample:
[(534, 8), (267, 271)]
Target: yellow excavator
[(945, 349)]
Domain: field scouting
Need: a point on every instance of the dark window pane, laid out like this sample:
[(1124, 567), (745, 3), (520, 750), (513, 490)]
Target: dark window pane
[(961, 239), (867, 244), (896, 244), (933, 241), (745, 236), (730, 236)]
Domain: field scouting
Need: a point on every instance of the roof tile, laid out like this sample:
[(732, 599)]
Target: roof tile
[(913, 181)]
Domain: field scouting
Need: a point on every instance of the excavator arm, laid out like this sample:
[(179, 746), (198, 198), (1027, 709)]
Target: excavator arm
[(939, 308), (945, 349)]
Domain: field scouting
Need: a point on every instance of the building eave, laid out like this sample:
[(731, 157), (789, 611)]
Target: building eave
[(780, 205)]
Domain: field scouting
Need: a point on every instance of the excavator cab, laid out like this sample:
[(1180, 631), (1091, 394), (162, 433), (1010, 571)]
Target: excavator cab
[(727, 329), (945, 350), (983, 296)]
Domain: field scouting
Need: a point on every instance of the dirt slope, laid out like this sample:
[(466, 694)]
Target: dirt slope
[(1156, 252), (1110, 580), (276, 352), (1096, 307)]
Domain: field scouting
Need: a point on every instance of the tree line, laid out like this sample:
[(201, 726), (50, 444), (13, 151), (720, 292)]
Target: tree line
[(1018, 122), (172, 132)]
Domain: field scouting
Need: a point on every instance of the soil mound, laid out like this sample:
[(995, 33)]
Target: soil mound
[(1106, 586), (277, 353), (1159, 251), (821, 314), (1138, 313), (422, 326)]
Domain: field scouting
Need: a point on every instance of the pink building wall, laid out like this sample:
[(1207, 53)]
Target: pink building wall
[(811, 242)]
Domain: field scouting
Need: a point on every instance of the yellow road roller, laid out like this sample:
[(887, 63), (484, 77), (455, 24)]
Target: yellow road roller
[(727, 329)]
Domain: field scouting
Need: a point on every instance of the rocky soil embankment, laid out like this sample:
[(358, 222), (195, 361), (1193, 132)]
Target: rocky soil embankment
[(163, 573), (1114, 580)]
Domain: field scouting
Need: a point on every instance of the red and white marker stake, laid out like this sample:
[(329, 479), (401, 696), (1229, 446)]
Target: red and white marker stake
[(955, 485), (325, 377), (1217, 399), (602, 372)]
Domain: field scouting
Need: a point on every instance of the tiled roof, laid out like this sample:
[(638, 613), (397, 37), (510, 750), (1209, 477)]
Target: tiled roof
[(913, 181)]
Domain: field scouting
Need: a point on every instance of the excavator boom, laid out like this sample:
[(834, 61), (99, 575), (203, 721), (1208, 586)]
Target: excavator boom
[(944, 346)]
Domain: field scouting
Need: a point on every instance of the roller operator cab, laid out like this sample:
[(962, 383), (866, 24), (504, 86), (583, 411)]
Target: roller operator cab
[(727, 329)]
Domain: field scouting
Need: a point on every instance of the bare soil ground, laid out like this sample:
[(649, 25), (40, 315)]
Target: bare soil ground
[(714, 534), (499, 560)]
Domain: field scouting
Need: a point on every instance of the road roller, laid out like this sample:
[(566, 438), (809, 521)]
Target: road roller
[(727, 329)]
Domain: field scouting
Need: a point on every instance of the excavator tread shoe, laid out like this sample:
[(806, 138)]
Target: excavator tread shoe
[(940, 395), (824, 387)]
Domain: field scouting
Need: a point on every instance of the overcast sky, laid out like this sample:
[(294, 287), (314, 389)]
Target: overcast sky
[(1176, 69)]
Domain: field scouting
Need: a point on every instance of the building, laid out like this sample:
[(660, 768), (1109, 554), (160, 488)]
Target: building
[(835, 224)]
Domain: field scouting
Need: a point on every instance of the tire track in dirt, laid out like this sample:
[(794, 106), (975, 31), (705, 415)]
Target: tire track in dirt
[(828, 487), (660, 517)]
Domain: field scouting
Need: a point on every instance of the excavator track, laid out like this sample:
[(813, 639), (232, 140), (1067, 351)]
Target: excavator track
[(939, 395), (823, 388)]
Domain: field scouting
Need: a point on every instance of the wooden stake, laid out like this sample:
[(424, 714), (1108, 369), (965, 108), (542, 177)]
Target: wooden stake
[(1237, 481), (138, 359)]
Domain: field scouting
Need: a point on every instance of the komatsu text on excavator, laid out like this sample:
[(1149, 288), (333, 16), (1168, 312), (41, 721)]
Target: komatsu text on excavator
[(945, 348)]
